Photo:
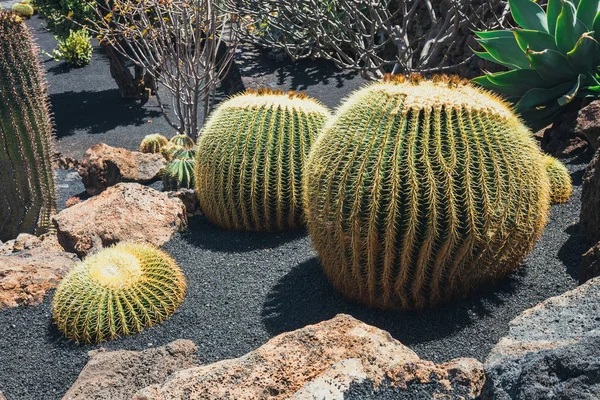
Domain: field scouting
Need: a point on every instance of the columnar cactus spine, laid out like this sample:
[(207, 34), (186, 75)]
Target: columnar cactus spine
[(27, 194), (418, 191), (561, 185), (250, 159), (117, 291)]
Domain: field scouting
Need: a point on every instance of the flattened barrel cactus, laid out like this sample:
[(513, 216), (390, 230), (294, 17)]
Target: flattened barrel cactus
[(561, 185), (27, 194), (117, 291), (418, 191), (250, 159)]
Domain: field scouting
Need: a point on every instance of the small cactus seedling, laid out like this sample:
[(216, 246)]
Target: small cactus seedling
[(420, 190), (117, 291), (250, 159), (184, 141), (561, 185), (153, 143)]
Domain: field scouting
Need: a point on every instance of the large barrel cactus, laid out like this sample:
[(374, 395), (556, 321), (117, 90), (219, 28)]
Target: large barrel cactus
[(27, 196), (117, 291), (250, 159), (418, 191)]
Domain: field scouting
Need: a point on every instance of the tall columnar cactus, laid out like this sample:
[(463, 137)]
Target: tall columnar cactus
[(153, 143), (418, 191), (27, 197), (561, 185), (250, 159), (117, 291)]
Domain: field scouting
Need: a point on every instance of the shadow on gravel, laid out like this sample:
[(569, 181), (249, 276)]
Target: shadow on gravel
[(96, 112), (305, 296), (571, 252), (303, 73), (201, 233)]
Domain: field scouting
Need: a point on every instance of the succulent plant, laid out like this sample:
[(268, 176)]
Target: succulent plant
[(184, 141), (553, 58), (180, 171), (169, 151), (75, 49), (561, 185), (418, 191), (250, 159), (118, 291), (153, 143), (26, 176), (23, 10)]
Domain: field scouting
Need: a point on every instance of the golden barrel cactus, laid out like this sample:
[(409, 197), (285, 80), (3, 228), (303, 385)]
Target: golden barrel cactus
[(561, 185), (418, 191), (250, 159), (117, 291), (184, 141), (153, 143)]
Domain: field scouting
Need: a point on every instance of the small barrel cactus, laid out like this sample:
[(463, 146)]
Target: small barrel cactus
[(23, 10), (250, 159), (561, 185), (184, 141), (153, 143), (418, 191), (180, 171), (169, 151), (117, 291)]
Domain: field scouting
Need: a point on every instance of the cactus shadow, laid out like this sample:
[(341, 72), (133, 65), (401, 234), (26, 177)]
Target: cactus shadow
[(203, 234), (305, 296), (571, 252)]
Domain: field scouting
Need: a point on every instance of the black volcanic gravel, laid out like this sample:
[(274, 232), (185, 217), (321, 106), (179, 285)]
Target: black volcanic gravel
[(245, 288)]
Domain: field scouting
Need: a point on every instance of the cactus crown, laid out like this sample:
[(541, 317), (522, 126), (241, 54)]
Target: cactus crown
[(561, 185), (117, 291), (419, 190), (184, 141), (250, 159)]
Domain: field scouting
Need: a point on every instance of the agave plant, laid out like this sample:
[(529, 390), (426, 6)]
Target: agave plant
[(553, 57)]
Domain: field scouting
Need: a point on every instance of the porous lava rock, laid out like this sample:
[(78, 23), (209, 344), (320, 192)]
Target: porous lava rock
[(590, 264), (589, 218), (588, 124), (124, 212)]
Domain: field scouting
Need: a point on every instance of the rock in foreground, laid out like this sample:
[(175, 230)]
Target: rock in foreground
[(103, 166), (125, 212), (119, 374), (29, 268), (321, 361), (551, 350)]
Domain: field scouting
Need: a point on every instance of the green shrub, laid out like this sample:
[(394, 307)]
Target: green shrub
[(27, 192), (75, 50), (553, 57), (250, 159), (63, 16), (117, 291), (417, 192)]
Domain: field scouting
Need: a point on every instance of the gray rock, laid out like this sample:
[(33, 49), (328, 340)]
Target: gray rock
[(117, 375), (590, 264), (588, 124), (589, 219), (546, 352)]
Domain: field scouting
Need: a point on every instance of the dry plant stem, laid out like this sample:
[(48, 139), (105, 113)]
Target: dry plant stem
[(186, 46), (359, 34)]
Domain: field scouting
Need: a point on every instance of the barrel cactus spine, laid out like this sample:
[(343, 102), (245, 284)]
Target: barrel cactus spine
[(117, 291), (26, 175), (184, 141), (561, 185), (418, 191), (153, 143), (250, 158)]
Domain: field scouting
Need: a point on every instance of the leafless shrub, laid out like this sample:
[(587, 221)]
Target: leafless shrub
[(186, 45), (374, 36)]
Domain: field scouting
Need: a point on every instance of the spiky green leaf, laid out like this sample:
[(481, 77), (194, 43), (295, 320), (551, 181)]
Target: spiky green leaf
[(512, 91), (584, 55), (534, 40), (568, 97), (539, 97), (568, 28), (487, 56), (596, 27), (552, 11), (586, 11), (551, 65), (529, 15), (493, 34), (522, 78), (505, 50)]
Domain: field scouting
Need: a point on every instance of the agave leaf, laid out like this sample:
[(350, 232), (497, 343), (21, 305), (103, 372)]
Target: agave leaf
[(596, 27), (529, 15), (505, 50), (539, 97), (568, 28), (525, 78), (586, 11), (493, 34), (512, 91), (552, 11), (534, 40), (487, 56), (568, 97), (538, 118), (583, 57), (551, 65)]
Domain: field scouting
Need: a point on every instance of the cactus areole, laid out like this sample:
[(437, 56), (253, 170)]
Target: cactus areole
[(27, 194), (250, 159), (419, 191)]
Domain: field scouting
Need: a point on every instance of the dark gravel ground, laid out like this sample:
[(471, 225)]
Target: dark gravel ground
[(245, 288)]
